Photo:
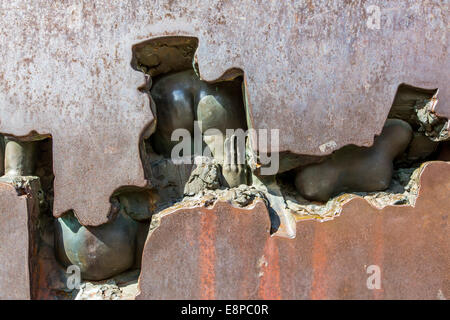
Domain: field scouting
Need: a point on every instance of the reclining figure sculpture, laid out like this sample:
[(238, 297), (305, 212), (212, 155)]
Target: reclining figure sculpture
[(354, 168)]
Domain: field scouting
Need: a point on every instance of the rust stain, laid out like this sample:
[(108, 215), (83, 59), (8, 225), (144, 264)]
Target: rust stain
[(378, 252), (207, 256), (269, 285), (319, 264)]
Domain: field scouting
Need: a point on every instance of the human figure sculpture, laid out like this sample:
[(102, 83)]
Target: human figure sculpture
[(182, 98), (100, 252), (353, 168), (111, 248), (19, 157)]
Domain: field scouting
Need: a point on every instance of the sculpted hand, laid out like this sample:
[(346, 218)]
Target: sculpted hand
[(234, 169)]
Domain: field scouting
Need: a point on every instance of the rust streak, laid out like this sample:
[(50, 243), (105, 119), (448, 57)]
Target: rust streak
[(269, 285), (378, 252), (207, 256), (319, 264)]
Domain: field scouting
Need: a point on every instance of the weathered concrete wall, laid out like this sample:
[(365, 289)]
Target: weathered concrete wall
[(227, 253), (313, 70)]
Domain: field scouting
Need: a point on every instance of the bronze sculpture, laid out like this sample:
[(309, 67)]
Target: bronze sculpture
[(100, 252), (356, 168), (182, 98)]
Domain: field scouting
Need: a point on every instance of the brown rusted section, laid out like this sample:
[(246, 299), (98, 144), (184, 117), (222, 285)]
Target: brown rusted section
[(319, 263), (326, 260), (207, 256), (269, 284), (192, 255), (17, 242), (378, 250), (50, 279)]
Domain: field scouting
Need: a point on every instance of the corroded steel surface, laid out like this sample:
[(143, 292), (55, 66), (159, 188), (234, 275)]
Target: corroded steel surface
[(227, 253), (312, 69), (194, 253), (14, 245), (409, 244)]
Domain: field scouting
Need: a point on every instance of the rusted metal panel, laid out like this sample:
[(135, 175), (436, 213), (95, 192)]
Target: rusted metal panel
[(227, 253), (203, 253), (14, 245), (314, 70)]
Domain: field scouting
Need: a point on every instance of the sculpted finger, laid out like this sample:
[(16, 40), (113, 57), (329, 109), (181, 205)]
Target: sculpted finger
[(233, 149), (240, 148), (227, 146)]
